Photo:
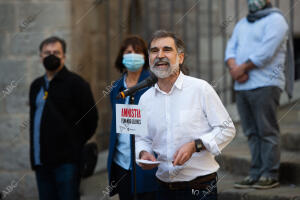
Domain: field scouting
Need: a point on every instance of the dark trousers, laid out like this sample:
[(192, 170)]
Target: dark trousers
[(258, 109), (122, 180), (58, 183), (208, 193)]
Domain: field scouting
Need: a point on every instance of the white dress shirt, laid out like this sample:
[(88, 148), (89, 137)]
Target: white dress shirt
[(191, 110)]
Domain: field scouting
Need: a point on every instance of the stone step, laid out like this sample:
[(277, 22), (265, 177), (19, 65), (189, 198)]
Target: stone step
[(289, 113), (235, 159), (289, 122), (226, 191), (290, 136)]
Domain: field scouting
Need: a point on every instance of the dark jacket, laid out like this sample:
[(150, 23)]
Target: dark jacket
[(69, 118), (145, 179)]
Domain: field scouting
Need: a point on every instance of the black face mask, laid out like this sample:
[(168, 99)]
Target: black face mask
[(51, 62)]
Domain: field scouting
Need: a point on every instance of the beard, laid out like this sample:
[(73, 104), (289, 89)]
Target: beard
[(164, 73)]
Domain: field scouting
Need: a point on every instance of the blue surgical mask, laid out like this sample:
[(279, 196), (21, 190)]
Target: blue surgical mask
[(133, 62)]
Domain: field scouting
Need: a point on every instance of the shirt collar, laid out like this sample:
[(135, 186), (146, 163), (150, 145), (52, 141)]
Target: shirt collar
[(178, 84)]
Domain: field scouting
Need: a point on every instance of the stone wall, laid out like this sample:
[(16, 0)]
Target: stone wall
[(93, 31), (23, 25), (94, 53)]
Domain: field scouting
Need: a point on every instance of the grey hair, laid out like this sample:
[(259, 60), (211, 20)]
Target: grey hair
[(180, 47)]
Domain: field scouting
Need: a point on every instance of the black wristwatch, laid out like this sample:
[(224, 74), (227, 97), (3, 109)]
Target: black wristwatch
[(198, 145)]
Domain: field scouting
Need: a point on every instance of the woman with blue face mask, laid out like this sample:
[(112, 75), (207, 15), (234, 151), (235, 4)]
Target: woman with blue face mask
[(132, 62)]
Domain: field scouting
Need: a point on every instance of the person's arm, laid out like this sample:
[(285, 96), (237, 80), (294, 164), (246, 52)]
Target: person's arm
[(247, 66), (232, 45), (230, 56), (31, 106), (218, 137), (237, 74), (89, 118), (274, 34), (143, 144), (231, 63), (240, 73), (223, 130)]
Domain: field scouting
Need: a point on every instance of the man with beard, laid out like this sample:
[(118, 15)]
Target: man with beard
[(187, 125), (256, 56), (62, 118)]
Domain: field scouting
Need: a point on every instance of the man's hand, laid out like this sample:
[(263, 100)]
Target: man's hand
[(238, 72), (243, 78), (184, 153), (144, 155)]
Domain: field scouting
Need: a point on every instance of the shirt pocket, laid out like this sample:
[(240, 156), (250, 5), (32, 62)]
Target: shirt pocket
[(185, 127), (190, 118)]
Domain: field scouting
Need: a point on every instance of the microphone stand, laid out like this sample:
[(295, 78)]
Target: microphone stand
[(152, 80), (132, 136)]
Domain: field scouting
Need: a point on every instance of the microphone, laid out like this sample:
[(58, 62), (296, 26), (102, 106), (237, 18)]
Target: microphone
[(150, 81)]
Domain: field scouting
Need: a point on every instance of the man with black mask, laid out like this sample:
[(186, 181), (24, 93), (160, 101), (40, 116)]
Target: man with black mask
[(62, 118), (260, 60)]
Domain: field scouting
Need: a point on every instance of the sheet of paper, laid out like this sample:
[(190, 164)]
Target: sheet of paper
[(148, 162)]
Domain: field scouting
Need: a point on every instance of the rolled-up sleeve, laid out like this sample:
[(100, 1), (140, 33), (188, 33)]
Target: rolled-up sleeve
[(222, 128), (275, 32), (231, 48)]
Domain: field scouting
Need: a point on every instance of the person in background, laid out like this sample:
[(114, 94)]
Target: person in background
[(256, 56), (132, 62), (62, 119)]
